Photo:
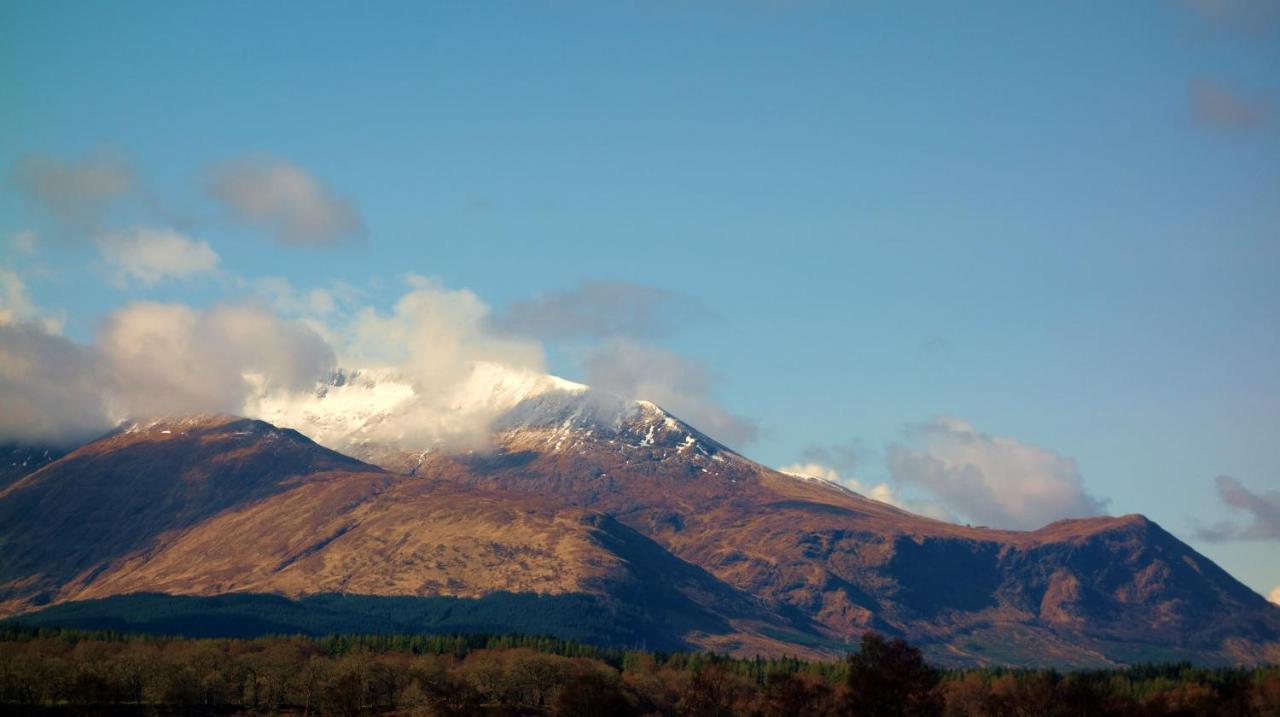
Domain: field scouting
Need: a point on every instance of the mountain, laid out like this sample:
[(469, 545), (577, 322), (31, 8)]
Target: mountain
[(214, 505), (1094, 591), (577, 509)]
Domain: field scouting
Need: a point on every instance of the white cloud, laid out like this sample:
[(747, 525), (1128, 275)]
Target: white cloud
[(153, 359), (286, 200), (882, 492), (74, 193), (265, 359), (677, 383), (434, 334), (434, 337), (149, 360), (149, 256), (992, 480), (1274, 597)]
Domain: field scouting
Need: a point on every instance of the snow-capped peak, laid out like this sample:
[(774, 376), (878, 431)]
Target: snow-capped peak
[(355, 410)]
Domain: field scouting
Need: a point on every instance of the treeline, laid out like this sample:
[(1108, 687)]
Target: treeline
[(72, 672)]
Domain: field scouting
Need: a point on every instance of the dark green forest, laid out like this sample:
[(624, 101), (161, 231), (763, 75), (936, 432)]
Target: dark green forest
[(63, 671), (585, 618)]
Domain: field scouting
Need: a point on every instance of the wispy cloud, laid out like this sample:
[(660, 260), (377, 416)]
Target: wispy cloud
[(1217, 106), (74, 193), (1244, 15), (24, 242), (845, 457), (1263, 510), (993, 480), (285, 200), (17, 306), (604, 309)]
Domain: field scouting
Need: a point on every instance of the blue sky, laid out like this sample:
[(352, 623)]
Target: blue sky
[(1057, 224)]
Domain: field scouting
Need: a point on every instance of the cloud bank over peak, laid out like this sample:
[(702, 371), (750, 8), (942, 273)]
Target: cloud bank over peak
[(276, 350), (157, 359), (992, 480)]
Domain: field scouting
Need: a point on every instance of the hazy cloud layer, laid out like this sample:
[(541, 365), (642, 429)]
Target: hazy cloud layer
[(74, 193), (604, 309), (148, 256), (677, 383), (1217, 106), (285, 200), (1275, 595), (1263, 510), (992, 480)]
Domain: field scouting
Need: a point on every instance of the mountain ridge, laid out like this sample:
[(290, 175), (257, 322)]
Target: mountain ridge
[(577, 493)]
